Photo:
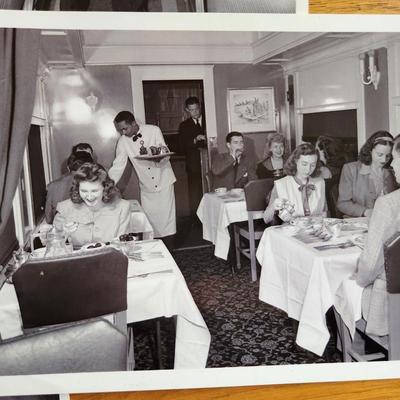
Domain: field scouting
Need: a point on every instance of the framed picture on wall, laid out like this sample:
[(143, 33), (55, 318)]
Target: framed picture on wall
[(251, 109)]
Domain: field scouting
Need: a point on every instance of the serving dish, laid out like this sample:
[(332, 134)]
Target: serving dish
[(155, 157)]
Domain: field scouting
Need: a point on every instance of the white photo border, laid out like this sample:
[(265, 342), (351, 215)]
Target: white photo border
[(213, 377)]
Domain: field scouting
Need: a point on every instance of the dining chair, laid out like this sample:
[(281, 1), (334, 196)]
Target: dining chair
[(256, 194), (93, 345), (71, 288), (389, 345)]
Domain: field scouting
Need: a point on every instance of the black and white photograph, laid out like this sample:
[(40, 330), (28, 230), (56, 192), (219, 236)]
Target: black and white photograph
[(140, 232)]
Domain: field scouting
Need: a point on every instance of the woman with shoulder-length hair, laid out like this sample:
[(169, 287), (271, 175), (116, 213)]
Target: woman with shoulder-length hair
[(271, 166), (95, 207), (303, 187), (363, 181), (330, 157)]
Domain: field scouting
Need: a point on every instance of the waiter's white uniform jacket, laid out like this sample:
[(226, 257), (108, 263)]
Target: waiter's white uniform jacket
[(156, 179)]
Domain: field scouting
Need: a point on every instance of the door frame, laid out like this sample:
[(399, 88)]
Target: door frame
[(204, 73)]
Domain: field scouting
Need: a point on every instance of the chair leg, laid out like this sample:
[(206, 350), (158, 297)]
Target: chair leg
[(344, 337), (158, 344), (253, 261), (131, 354), (237, 246)]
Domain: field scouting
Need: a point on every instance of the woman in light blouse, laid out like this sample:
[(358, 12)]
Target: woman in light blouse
[(302, 187), (95, 207), (363, 181)]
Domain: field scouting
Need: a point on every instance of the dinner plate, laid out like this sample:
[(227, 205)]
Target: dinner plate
[(38, 253), (155, 157), (236, 192)]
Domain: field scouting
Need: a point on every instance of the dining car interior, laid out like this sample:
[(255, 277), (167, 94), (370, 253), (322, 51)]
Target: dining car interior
[(178, 200)]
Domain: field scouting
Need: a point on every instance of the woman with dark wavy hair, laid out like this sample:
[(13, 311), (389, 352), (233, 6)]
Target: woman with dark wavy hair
[(303, 187), (332, 160), (95, 207), (271, 166), (330, 157), (363, 181)]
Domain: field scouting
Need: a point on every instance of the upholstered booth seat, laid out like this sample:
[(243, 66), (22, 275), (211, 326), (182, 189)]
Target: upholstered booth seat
[(85, 346)]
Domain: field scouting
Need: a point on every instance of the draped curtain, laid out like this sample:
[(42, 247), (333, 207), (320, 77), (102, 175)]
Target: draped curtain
[(11, 4), (19, 50)]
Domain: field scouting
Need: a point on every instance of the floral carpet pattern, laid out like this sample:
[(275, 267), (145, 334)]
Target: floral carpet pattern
[(244, 330)]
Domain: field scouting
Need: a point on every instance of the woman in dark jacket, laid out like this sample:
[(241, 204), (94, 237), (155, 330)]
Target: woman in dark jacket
[(274, 157)]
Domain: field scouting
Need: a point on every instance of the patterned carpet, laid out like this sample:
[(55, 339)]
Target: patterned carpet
[(244, 331)]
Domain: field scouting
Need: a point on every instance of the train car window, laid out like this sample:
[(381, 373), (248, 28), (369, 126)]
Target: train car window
[(8, 240), (38, 181)]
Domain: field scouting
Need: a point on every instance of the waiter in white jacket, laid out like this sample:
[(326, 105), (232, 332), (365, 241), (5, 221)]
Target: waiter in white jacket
[(156, 179)]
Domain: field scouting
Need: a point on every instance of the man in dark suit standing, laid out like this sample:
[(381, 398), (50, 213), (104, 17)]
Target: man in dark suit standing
[(192, 137)]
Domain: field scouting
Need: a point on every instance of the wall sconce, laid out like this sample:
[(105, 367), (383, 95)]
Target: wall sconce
[(372, 75), (92, 101)]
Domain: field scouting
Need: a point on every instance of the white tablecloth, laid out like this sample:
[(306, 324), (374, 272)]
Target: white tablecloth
[(348, 303), (216, 213), (155, 295), (139, 221), (303, 281)]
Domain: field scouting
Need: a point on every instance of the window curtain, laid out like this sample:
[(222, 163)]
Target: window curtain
[(11, 4), (19, 49)]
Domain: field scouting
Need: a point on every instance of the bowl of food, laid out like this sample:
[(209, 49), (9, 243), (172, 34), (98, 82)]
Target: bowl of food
[(93, 246), (127, 243), (220, 191)]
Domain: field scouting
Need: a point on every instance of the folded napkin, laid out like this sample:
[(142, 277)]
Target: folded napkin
[(152, 258)]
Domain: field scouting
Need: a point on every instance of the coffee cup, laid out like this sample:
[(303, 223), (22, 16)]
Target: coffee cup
[(220, 190)]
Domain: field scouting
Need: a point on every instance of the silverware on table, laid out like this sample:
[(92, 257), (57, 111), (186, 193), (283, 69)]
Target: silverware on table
[(343, 245)]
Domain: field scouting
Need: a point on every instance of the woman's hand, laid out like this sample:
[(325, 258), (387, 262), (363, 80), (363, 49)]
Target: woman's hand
[(285, 208), (279, 203)]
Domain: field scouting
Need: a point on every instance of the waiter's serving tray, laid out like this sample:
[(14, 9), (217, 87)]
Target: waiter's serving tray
[(156, 157)]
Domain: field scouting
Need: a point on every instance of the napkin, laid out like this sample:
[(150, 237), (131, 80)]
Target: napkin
[(143, 263)]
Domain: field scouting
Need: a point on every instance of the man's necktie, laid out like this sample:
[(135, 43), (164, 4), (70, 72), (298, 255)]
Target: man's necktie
[(136, 137), (235, 169)]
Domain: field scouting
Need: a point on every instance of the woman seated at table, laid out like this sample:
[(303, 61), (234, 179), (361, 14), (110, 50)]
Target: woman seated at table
[(329, 156), (331, 166), (363, 181), (384, 223), (95, 207), (303, 188), (274, 157)]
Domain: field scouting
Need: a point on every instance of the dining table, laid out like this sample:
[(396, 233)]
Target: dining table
[(305, 275), (156, 288), (216, 212)]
